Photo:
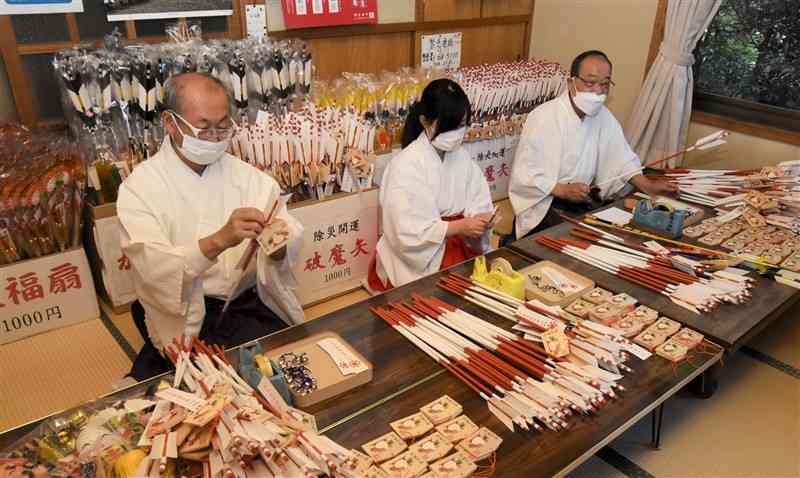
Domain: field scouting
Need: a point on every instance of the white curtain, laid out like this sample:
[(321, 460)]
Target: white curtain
[(660, 119)]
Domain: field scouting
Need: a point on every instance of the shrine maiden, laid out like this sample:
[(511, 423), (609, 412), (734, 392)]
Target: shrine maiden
[(436, 209), (568, 144), (187, 215)]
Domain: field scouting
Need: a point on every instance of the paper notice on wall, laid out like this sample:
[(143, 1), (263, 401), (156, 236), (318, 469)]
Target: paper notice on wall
[(256, 21), (442, 50)]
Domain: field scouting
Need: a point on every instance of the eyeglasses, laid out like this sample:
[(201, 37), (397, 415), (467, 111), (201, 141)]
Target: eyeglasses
[(209, 134), (604, 84)]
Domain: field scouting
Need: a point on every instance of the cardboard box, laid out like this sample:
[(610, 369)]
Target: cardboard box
[(46, 293)]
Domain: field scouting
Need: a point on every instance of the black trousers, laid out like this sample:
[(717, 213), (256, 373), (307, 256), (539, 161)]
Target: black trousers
[(553, 217), (246, 319)]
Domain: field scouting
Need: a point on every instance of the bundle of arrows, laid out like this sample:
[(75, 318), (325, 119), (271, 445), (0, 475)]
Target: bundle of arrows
[(728, 188), (524, 385), (210, 415), (685, 282)]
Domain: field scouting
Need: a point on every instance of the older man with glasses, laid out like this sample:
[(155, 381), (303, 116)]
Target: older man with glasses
[(572, 153), (187, 215)]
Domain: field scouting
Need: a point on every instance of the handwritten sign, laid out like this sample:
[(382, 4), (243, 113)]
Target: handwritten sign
[(339, 238), (45, 293), (442, 50), (116, 267), (256, 20)]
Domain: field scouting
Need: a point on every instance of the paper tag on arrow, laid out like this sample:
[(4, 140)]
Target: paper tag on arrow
[(556, 342)]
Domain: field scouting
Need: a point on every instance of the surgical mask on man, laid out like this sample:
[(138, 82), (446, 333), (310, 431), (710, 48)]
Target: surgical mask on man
[(588, 102), (449, 140), (200, 151)]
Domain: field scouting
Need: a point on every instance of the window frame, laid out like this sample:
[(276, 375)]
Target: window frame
[(747, 117)]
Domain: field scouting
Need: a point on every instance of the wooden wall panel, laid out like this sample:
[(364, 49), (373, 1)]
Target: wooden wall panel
[(487, 44), (365, 53), (493, 44), (441, 10), (499, 8)]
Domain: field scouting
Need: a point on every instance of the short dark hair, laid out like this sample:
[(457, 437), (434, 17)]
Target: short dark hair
[(442, 100), (576, 63)]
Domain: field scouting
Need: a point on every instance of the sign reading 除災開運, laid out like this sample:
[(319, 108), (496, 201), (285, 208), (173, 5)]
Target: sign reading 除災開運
[(339, 239)]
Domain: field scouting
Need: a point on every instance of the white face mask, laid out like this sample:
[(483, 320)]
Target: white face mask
[(200, 151), (450, 140), (589, 102)]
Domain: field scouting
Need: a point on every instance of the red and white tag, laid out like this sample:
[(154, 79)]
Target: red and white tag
[(657, 248), (345, 360), (186, 400)]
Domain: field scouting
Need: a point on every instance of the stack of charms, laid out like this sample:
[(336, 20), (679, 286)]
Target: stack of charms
[(730, 188), (437, 442), (752, 231)]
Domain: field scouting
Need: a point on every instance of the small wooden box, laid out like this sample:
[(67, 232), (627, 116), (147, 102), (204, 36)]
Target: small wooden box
[(330, 381), (532, 292)]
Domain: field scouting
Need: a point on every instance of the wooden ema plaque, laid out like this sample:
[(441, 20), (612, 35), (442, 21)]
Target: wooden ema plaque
[(330, 381), (541, 282)]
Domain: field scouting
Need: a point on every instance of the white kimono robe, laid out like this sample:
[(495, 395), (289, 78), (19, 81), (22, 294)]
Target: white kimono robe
[(165, 208), (417, 190), (556, 146)]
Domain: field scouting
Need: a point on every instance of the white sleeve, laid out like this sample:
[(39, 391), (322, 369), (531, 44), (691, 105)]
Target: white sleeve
[(275, 280), (537, 160), (167, 274), (616, 158), (410, 217), (479, 201)]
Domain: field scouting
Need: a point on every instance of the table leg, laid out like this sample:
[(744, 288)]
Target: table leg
[(707, 383), (657, 422)]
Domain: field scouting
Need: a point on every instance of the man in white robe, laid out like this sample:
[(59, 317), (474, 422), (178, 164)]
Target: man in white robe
[(188, 214), (567, 146)]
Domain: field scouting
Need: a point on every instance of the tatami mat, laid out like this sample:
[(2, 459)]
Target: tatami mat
[(124, 323), (749, 428), (57, 370), (594, 467), (781, 339)]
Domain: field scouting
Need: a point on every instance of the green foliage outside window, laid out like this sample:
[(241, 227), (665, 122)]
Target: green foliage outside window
[(751, 52)]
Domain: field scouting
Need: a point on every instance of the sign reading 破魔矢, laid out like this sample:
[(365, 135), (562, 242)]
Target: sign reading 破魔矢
[(495, 157), (339, 238)]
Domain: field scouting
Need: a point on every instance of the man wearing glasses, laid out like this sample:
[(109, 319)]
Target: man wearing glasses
[(187, 215), (569, 144)]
